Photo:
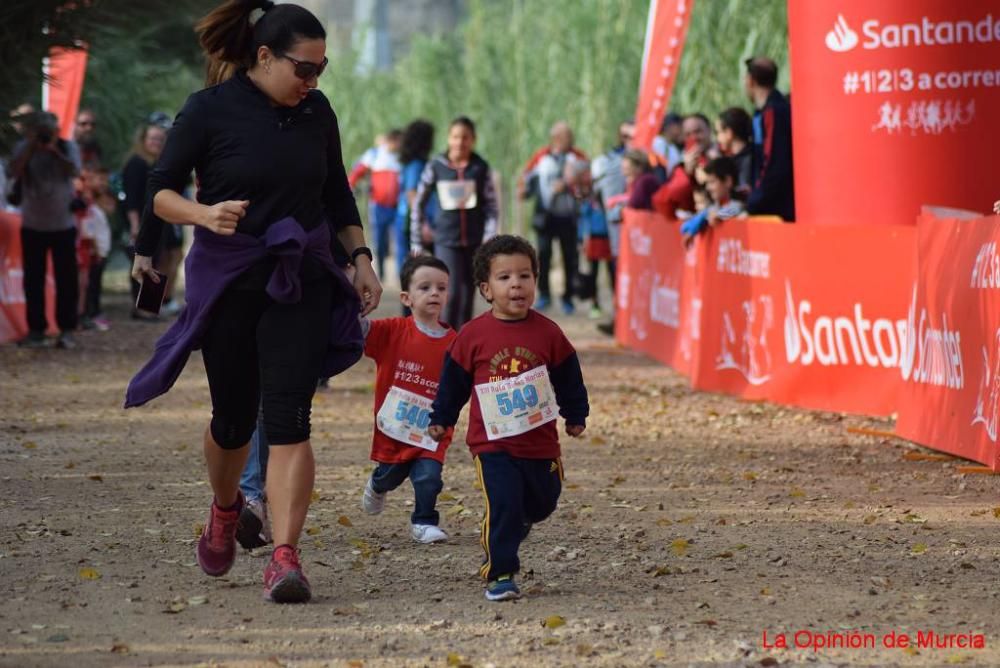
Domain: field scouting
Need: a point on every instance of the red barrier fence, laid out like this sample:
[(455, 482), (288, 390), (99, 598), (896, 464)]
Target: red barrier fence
[(860, 319), (13, 320)]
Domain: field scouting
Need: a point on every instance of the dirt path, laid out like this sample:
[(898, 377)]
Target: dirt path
[(690, 525)]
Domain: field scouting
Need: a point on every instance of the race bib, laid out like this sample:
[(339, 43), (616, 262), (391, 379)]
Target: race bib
[(454, 195), (516, 405), (404, 417)]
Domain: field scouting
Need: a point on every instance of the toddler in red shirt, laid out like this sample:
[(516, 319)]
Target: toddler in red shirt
[(409, 353), (525, 373)]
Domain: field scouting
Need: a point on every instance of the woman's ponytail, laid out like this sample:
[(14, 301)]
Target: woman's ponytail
[(226, 36)]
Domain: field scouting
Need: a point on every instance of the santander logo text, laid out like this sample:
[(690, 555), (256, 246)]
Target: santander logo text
[(841, 38), (924, 32), (841, 340), (932, 355)]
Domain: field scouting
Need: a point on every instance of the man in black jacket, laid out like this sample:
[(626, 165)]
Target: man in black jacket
[(773, 189)]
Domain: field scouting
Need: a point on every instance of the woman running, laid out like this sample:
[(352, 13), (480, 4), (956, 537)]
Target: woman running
[(266, 303)]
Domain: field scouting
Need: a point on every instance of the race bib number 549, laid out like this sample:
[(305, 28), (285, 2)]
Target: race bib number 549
[(517, 405), (404, 416)]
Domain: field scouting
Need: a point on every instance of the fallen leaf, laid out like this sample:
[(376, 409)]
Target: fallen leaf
[(583, 649), (723, 555), (919, 548), (175, 607), (749, 475), (199, 529), (96, 477), (707, 622), (312, 531), (550, 640), (996, 512), (89, 573), (314, 496), (446, 496), (911, 650), (661, 571), (659, 655), (197, 600), (769, 661), (680, 547), (29, 445), (119, 648), (663, 522), (870, 519), (344, 521), (958, 658), (455, 659), (455, 510), (554, 622), (796, 493), (355, 663)]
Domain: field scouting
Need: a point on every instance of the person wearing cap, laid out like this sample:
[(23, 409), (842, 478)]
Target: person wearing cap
[(45, 165)]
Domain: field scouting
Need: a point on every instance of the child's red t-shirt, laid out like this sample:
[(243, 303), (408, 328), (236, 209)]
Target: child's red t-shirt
[(408, 362)]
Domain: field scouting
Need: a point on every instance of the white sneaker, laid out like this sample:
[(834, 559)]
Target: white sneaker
[(170, 308), (371, 501), (427, 533)]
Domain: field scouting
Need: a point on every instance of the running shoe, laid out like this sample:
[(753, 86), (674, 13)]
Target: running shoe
[(427, 533), (502, 589), (542, 303), (254, 529), (284, 581), (217, 545), (371, 501)]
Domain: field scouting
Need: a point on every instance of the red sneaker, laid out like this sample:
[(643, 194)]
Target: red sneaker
[(217, 545), (284, 581)]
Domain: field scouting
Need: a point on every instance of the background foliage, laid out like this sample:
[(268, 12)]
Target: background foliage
[(514, 66)]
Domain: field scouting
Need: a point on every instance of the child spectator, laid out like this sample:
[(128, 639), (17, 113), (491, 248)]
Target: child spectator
[(381, 164), (593, 233), (720, 180), (96, 232), (408, 354), (523, 370)]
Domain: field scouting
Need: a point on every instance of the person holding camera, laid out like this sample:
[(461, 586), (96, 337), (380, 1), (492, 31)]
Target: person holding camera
[(43, 166)]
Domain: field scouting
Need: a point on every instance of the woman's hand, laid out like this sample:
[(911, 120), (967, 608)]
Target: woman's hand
[(143, 266), (223, 217), (367, 285)]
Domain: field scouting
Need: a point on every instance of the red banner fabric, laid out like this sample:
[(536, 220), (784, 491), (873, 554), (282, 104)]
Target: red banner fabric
[(951, 395), (805, 315), (666, 30), (65, 71), (875, 320), (889, 98), (658, 294), (13, 320)]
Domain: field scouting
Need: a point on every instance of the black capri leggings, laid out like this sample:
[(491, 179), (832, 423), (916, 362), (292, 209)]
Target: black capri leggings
[(258, 352)]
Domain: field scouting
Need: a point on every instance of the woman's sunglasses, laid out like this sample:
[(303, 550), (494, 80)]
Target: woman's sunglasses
[(304, 69)]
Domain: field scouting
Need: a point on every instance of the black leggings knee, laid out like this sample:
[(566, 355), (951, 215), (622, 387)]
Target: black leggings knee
[(258, 352)]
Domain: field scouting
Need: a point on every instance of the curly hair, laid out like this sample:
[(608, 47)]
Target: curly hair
[(504, 244), (418, 140)]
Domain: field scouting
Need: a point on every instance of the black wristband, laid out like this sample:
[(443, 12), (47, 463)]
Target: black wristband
[(362, 250)]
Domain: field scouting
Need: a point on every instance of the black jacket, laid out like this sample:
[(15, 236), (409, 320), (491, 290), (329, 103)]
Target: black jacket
[(773, 189), (456, 225)]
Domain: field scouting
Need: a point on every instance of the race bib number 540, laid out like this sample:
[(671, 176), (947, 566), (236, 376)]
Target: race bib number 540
[(517, 405), (404, 416)]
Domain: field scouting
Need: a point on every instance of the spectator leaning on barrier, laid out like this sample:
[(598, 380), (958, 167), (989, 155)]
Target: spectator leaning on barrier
[(45, 165), (773, 190), (677, 194), (734, 136), (640, 180), (555, 217), (720, 180)]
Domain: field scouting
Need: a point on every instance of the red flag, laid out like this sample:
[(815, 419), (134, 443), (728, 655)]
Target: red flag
[(65, 70), (666, 29)]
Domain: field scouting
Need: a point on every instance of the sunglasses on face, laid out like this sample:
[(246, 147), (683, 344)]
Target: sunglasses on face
[(305, 69)]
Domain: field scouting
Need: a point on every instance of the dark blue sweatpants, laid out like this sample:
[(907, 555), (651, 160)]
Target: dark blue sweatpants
[(519, 492)]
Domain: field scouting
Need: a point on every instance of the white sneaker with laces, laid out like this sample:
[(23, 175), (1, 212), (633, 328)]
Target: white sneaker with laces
[(427, 533), (371, 501)]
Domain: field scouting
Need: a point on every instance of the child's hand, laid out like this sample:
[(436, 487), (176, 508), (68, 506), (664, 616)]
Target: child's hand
[(575, 430), (436, 432)]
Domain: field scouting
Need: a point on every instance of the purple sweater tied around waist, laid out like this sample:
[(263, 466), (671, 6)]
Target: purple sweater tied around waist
[(214, 262)]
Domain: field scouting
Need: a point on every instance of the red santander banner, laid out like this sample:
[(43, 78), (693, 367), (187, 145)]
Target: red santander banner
[(666, 29), (950, 398), (805, 315), (890, 101), (65, 71)]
